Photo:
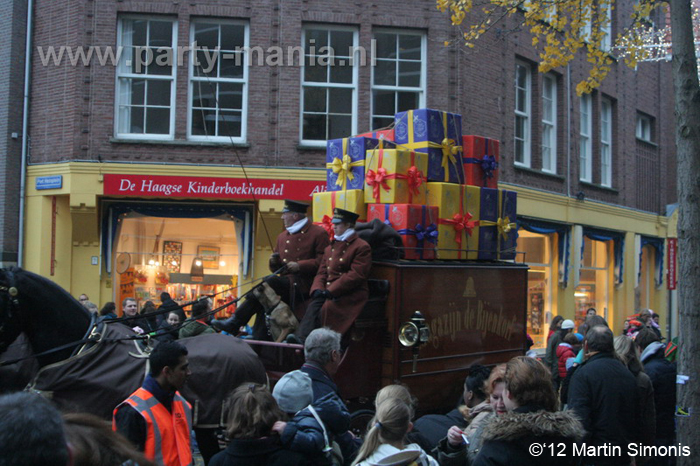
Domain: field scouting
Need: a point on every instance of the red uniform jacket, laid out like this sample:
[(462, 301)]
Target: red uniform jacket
[(344, 271), (305, 248)]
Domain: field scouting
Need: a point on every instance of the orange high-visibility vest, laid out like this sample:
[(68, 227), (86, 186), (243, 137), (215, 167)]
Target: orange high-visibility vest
[(168, 432)]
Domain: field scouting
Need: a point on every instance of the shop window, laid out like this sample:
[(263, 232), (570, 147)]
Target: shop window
[(187, 257), (538, 254), (592, 291), (218, 81), (329, 84), (398, 77), (146, 78)]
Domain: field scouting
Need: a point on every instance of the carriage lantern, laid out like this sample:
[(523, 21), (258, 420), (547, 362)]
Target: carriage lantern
[(413, 334)]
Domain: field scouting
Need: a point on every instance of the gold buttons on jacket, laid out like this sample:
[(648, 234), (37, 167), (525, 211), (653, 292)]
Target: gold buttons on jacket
[(341, 259), (286, 250), (328, 283), (287, 241)]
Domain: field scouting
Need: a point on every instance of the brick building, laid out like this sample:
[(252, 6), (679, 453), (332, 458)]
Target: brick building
[(594, 174)]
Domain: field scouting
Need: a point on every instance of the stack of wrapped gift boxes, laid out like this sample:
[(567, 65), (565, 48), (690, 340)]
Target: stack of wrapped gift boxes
[(437, 188)]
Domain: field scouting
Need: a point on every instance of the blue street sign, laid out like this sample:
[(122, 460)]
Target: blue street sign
[(49, 182)]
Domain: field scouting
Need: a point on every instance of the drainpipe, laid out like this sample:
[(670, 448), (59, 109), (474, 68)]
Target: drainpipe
[(25, 132), (568, 131)]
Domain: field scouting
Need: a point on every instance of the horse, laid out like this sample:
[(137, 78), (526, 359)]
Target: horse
[(96, 377)]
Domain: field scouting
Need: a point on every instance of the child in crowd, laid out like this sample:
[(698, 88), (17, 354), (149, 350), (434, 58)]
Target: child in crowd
[(312, 428), (385, 439), (567, 350)]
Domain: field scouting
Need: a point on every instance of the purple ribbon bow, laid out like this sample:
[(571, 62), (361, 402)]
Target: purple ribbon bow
[(488, 165), (429, 234)]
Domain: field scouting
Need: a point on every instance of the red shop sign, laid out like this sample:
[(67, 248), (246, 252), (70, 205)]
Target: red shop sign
[(210, 187), (672, 263)]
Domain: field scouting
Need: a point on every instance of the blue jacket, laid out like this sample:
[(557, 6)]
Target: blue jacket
[(321, 382), (304, 434)]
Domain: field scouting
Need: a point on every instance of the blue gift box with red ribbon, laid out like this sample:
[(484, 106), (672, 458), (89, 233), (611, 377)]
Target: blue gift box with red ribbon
[(417, 225), (481, 159)]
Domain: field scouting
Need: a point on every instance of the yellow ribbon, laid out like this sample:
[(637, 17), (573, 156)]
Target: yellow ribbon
[(448, 146), (504, 226), (343, 168)]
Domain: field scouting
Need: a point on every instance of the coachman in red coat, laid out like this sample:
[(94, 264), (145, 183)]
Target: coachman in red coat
[(339, 291)]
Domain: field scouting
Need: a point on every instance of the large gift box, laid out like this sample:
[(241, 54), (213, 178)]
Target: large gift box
[(480, 161), (497, 231), (439, 134), (417, 225), (458, 217), (345, 161), (387, 135), (324, 203), (395, 176)]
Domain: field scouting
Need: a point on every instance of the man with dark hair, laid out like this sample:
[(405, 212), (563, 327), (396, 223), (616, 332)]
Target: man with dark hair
[(298, 253), (31, 431), (603, 394), (156, 418), (197, 324), (663, 378)]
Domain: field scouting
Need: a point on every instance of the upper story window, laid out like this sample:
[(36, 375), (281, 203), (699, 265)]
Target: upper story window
[(146, 78), (585, 137), (523, 113), (606, 153), (549, 123), (606, 28), (329, 84), (398, 78), (645, 128), (218, 81)]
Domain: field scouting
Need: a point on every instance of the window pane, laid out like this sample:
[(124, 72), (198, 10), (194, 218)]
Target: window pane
[(409, 47), (160, 62), (136, 119), (385, 73), (341, 73), (521, 100), (386, 45), (408, 101), (203, 95), (409, 74), (315, 99), (382, 122), (138, 90), (232, 36), (161, 34), (313, 72), (231, 67), (229, 124), (339, 126), (384, 103), (340, 101), (203, 122), (206, 35), (231, 95), (315, 39), (341, 42), (158, 92), (315, 127), (157, 120), (137, 30)]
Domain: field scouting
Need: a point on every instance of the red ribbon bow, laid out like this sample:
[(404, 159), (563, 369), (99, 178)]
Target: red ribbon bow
[(415, 178), (378, 179), (462, 223), (327, 225)]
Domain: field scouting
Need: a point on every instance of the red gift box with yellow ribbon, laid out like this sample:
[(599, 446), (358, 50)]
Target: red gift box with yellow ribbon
[(417, 225), (324, 203), (395, 176), (458, 218), (481, 159)]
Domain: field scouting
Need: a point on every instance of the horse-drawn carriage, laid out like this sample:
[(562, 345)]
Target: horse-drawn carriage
[(468, 313)]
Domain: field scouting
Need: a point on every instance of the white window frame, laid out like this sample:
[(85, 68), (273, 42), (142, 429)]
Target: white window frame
[(643, 127), (585, 139), (606, 29), (525, 114), (192, 80), (421, 90), (121, 74), (549, 166), (354, 85), (606, 143)]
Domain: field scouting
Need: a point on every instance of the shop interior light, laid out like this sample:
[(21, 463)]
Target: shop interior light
[(197, 271), (580, 294), (157, 264), (198, 262), (174, 263), (151, 262), (222, 263)]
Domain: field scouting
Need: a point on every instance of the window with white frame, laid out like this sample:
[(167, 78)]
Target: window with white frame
[(606, 142), (644, 127), (606, 28), (398, 77), (585, 136), (523, 83), (218, 81), (329, 84), (549, 123), (146, 78)]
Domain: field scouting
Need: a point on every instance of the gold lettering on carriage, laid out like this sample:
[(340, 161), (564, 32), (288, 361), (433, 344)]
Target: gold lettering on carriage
[(476, 316)]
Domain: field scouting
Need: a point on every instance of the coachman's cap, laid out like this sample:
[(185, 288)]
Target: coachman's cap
[(295, 206), (344, 216)]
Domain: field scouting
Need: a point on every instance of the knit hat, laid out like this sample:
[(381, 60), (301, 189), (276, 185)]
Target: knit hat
[(293, 392), (567, 324)]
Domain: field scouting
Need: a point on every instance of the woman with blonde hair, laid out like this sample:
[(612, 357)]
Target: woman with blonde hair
[(385, 440), (401, 392), (252, 413)]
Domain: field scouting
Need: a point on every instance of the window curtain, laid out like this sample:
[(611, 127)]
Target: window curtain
[(618, 239), (658, 245), (563, 242), (239, 214)]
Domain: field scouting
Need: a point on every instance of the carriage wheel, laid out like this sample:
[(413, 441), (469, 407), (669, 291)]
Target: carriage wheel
[(359, 421)]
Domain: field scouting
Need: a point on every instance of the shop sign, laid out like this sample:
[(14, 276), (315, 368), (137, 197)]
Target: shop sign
[(49, 182), (672, 263), (209, 187)]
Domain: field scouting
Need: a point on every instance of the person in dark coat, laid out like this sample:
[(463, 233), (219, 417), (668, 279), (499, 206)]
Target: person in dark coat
[(252, 414), (339, 290), (168, 330), (603, 394), (108, 311), (167, 304), (550, 359), (298, 252), (663, 377), (198, 323), (532, 417)]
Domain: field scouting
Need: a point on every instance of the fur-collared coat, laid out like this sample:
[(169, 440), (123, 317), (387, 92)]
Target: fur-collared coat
[(343, 272), (507, 438), (306, 249)]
